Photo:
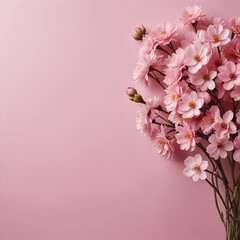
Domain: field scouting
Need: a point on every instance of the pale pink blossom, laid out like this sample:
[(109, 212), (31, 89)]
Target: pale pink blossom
[(235, 94), (175, 61), (229, 74), (190, 38), (173, 95), (186, 137), (175, 117), (173, 77), (210, 119), (234, 25), (146, 114), (222, 92), (236, 155), (238, 117), (224, 126), (148, 45), (143, 122), (217, 35), (204, 23), (204, 78), (219, 147), (190, 105), (140, 73), (191, 15), (195, 122), (195, 168), (232, 50), (215, 60), (164, 34), (163, 144), (196, 56)]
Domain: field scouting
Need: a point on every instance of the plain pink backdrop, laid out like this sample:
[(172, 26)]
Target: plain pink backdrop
[(72, 165)]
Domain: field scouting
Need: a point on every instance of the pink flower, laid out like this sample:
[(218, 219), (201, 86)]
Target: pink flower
[(224, 127), (204, 23), (204, 78), (145, 116), (229, 74), (234, 25), (196, 56), (186, 137), (195, 122), (236, 155), (173, 77), (164, 34), (195, 167), (190, 38), (218, 147), (235, 94), (163, 144), (173, 95), (215, 60), (148, 45), (191, 15), (190, 105), (210, 119), (175, 61), (217, 35), (140, 74), (175, 117), (238, 117), (222, 93), (232, 50)]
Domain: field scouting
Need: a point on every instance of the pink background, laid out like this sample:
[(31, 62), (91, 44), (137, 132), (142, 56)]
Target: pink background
[(72, 165)]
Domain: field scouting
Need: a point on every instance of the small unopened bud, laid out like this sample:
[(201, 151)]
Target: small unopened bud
[(138, 99), (131, 92), (140, 32)]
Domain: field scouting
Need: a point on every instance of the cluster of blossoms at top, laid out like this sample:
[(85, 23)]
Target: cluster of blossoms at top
[(197, 63)]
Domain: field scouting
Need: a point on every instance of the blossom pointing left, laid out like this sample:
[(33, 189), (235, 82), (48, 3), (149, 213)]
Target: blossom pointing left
[(140, 73), (195, 168), (163, 144)]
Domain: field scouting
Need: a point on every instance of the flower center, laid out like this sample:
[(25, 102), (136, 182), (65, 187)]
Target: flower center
[(173, 97), (160, 142), (190, 15), (205, 77), (224, 126), (163, 32), (219, 146), (187, 136), (192, 105), (196, 58), (211, 120), (215, 38), (238, 26), (196, 168), (232, 76), (192, 41)]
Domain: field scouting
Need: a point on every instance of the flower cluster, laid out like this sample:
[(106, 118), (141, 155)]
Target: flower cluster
[(197, 64)]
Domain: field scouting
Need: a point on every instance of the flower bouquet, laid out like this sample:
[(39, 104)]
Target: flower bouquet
[(197, 65)]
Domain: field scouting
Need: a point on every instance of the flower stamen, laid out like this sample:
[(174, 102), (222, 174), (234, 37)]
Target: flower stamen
[(196, 168), (192, 105)]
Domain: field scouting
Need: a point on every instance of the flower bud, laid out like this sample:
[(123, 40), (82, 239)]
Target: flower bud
[(131, 91), (138, 99), (140, 32)]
